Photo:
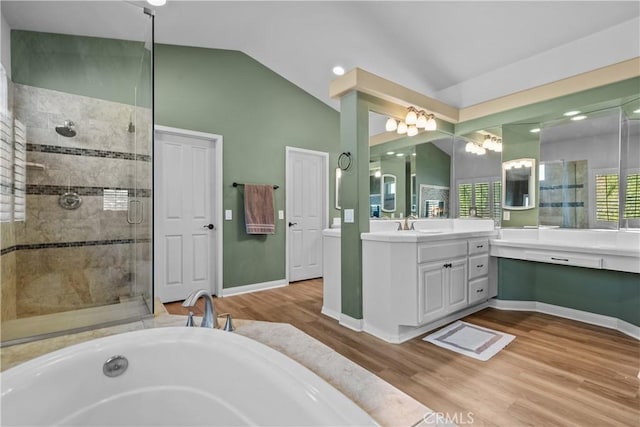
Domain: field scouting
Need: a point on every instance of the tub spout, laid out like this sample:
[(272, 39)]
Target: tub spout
[(209, 318)]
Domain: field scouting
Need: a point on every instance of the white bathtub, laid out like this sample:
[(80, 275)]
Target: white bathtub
[(175, 377)]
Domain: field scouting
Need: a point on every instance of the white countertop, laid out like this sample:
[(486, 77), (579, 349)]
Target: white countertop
[(418, 236)]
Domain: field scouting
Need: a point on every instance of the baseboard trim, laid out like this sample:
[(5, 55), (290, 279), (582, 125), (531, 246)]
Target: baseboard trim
[(330, 313), (244, 289), (350, 322), (405, 333), (569, 313)]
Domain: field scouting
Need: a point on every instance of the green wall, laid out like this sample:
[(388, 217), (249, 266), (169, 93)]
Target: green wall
[(258, 113), (610, 293), (88, 66), (397, 167), (433, 166), (519, 143)]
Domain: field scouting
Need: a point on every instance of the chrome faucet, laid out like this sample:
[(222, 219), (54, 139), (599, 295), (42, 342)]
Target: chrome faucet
[(406, 223), (209, 318)]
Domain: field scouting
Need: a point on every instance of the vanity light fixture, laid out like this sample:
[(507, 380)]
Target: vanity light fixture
[(377, 173), (391, 125), (402, 128), (492, 142), (576, 118), (474, 148), (412, 123)]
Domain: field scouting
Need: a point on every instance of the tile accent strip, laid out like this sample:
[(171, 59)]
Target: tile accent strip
[(58, 190), (55, 149), (559, 187), (562, 205), (71, 244)]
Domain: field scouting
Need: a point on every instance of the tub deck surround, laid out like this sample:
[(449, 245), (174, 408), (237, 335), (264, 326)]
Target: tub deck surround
[(384, 403), (617, 250)]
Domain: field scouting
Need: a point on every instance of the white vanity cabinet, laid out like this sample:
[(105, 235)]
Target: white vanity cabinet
[(411, 286), (442, 279)]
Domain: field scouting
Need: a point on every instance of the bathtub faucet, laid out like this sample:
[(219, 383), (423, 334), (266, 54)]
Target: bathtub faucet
[(209, 318)]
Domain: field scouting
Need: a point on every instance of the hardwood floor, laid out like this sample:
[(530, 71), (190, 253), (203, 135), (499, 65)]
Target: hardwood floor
[(556, 371)]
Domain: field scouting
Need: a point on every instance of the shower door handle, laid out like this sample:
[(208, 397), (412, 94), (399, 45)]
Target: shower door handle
[(136, 218)]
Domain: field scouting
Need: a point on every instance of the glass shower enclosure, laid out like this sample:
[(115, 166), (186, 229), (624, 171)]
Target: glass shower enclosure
[(77, 135)]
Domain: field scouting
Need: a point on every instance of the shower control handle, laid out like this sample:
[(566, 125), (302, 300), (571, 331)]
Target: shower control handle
[(209, 226)]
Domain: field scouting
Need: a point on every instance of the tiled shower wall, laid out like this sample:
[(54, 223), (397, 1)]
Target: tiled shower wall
[(70, 259), (564, 196)]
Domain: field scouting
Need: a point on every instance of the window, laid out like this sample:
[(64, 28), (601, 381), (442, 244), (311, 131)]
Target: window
[(632, 197), (496, 199), (481, 194), (484, 194), (6, 168), (115, 200), (607, 197), (464, 199), (19, 171)]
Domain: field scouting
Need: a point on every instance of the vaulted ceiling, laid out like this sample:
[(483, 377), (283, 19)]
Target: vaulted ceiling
[(460, 52)]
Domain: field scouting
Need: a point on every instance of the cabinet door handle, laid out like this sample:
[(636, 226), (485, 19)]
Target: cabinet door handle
[(479, 290), (479, 246), (560, 259), (480, 265), (448, 265)]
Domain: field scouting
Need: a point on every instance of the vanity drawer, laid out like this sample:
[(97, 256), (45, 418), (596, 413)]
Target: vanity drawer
[(428, 252), (478, 246), (478, 290), (478, 266)]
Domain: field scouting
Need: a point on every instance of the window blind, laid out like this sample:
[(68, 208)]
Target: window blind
[(607, 198), (632, 197), (464, 199)]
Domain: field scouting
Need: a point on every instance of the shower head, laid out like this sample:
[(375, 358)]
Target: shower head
[(67, 129)]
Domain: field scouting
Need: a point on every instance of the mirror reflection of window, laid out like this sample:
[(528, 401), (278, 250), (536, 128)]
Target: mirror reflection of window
[(375, 191), (388, 193)]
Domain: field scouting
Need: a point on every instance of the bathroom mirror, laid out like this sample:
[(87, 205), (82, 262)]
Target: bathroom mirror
[(388, 194), (579, 181), (519, 184), (418, 161)]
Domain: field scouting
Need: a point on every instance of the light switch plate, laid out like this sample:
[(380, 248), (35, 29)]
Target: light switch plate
[(348, 215), (506, 215), (280, 214), (228, 215)]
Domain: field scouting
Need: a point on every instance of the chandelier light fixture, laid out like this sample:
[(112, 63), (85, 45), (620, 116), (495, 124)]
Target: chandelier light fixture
[(412, 123)]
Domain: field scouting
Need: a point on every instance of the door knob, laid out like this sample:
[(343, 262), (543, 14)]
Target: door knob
[(291, 224), (209, 226)]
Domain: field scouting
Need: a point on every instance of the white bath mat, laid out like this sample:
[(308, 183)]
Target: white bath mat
[(470, 340)]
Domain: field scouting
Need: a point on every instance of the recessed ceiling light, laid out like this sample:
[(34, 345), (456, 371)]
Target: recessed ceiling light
[(157, 2), (413, 154), (571, 113), (576, 118), (390, 153), (338, 70), (535, 130), (636, 111), (399, 155)]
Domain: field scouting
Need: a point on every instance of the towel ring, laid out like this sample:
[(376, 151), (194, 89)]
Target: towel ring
[(344, 161)]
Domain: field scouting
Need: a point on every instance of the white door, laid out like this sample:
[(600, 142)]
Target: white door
[(307, 198), (184, 215)]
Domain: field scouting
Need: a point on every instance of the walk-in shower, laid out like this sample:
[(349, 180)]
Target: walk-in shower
[(77, 242)]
